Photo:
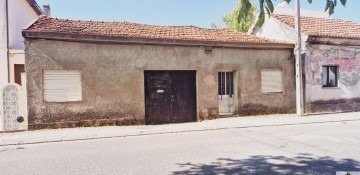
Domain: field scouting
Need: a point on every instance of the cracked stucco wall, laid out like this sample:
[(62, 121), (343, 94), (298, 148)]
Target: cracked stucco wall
[(113, 78), (345, 97)]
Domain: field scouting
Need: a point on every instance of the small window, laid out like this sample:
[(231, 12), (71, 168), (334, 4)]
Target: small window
[(62, 86), (226, 83), (271, 81), (330, 76)]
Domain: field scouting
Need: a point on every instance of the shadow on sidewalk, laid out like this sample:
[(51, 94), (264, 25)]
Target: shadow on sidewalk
[(269, 165)]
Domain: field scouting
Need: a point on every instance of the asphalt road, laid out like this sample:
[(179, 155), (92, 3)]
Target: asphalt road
[(299, 149)]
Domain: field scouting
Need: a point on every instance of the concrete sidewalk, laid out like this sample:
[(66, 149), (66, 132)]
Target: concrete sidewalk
[(87, 133)]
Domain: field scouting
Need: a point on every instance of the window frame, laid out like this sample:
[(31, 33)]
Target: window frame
[(261, 81), (62, 101), (328, 84), (228, 83)]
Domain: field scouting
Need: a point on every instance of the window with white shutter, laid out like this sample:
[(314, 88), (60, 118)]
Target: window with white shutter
[(271, 81), (62, 86)]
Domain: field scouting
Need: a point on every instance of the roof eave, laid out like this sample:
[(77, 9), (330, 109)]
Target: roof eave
[(333, 37), (35, 7), (332, 40), (150, 41)]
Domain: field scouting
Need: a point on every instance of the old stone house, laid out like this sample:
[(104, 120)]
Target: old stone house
[(82, 73), (331, 59)]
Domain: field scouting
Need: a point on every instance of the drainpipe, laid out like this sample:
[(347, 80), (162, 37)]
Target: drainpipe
[(7, 39)]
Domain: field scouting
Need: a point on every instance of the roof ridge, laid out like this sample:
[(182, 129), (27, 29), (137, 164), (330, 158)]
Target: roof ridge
[(123, 29), (124, 22), (341, 19)]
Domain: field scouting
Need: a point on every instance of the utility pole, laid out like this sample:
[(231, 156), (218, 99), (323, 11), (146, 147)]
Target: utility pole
[(298, 64)]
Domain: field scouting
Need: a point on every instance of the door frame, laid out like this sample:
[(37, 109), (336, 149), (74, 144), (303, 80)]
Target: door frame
[(196, 117), (236, 90)]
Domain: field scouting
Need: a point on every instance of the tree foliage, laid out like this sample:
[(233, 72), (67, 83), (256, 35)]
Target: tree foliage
[(231, 19), (267, 5)]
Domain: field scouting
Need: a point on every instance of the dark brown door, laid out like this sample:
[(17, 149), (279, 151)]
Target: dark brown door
[(18, 69), (170, 96)]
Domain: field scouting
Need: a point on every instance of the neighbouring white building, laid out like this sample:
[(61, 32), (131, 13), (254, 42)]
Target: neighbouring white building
[(15, 15)]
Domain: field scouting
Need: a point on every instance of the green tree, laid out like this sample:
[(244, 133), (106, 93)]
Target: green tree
[(267, 5), (231, 19)]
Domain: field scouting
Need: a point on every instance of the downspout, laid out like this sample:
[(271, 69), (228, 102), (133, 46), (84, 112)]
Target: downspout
[(7, 38)]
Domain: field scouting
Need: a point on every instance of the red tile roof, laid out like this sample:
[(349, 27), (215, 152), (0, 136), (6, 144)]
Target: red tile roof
[(323, 27), (142, 31)]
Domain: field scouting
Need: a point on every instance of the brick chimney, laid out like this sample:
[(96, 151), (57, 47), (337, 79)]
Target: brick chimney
[(47, 10)]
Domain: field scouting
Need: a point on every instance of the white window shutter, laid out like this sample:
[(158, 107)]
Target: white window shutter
[(271, 81), (62, 86)]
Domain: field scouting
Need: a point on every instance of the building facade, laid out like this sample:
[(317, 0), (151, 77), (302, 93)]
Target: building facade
[(330, 53), (85, 73)]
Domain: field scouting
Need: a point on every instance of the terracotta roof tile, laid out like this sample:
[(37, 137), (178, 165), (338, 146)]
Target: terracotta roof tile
[(142, 31), (323, 27)]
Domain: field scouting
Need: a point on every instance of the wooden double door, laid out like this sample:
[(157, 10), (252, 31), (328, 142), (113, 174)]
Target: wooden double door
[(170, 96)]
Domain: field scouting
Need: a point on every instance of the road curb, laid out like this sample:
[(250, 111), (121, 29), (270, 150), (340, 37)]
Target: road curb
[(172, 132)]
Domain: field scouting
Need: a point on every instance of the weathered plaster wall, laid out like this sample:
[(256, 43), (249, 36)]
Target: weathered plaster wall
[(274, 29), (345, 97), (113, 78)]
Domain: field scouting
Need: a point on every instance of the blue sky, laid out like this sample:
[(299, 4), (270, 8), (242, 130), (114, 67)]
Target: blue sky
[(169, 12)]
